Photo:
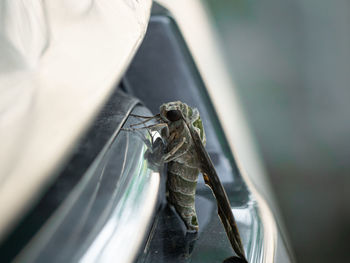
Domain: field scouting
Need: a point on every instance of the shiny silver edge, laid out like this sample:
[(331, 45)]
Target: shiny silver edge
[(108, 245), (31, 251)]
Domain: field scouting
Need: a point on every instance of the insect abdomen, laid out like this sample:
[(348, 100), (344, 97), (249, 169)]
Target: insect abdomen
[(181, 186)]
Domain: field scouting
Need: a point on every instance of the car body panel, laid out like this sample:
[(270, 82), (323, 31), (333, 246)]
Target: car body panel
[(59, 63)]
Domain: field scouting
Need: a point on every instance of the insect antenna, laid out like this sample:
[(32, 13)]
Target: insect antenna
[(141, 135), (144, 117), (148, 118)]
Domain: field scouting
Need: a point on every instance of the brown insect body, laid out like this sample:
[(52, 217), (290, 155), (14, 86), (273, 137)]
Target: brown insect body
[(183, 165), (184, 137)]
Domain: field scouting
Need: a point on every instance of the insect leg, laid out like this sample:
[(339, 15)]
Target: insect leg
[(153, 126), (148, 118), (170, 156), (163, 126)]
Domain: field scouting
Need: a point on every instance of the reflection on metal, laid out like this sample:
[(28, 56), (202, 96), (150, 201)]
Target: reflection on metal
[(251, 230), (124, 231), (173, 244), (108, 213)]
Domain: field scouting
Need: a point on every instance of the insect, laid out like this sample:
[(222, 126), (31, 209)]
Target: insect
[(183, 133)]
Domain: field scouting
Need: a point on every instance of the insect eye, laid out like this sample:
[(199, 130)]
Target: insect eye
[(173, 115)]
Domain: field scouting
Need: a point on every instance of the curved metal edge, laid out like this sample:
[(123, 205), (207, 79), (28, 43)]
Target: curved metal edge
[(112, 246), (35, 245)]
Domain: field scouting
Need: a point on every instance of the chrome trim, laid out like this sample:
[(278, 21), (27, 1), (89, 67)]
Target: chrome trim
[(124, 232), (108, 213)]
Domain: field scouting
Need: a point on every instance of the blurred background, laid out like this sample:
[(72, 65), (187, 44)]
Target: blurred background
[(290, 61)]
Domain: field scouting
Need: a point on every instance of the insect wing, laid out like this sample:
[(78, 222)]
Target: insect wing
[(212, 180)]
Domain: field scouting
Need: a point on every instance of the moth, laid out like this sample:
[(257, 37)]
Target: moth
[(183, 133)]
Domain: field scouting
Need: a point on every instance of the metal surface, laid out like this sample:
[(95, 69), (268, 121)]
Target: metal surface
[(59, 61), (109, 210), (103, 129), (169, 242)]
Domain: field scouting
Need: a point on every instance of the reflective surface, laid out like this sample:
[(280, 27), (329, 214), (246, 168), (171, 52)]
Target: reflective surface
[(138, 184), (109, 211)]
